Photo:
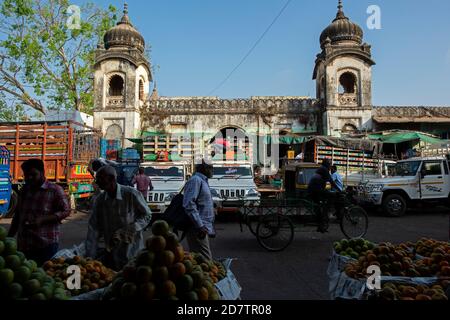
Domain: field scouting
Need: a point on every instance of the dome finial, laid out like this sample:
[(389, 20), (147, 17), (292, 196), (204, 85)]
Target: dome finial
[(125, 19), (340, 14)]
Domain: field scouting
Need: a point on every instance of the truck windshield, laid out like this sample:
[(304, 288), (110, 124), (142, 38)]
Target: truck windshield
[(232, 171), (408, 168), (164, 171)]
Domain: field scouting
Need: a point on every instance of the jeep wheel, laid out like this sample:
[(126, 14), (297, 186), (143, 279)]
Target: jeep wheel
[(394, 205)]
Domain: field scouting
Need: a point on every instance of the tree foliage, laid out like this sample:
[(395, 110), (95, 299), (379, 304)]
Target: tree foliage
[(46, 63)]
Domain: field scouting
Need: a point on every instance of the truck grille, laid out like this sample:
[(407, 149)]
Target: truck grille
[(232, 193), (156, 197)]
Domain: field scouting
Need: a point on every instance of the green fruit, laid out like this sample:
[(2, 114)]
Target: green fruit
[(172, 241), (59, 285), (185, 283), (2, 247), (2, 263), (15, 291), (117, 286), (128, 290), (38, 297), (37, 276), (47, 291), (13, 262), (32, 286), (3, 234), (22, 275), (191, 296), (143, 274), (34, 266), (59, 291), (338, 248), (189, 266), (146, 258), (6, 277), (10, 247), (160, 228), (21, 255), (344, 244), (358, 248), (198, 278)]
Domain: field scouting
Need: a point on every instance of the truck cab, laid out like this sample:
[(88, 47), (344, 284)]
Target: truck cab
[(168, 179), (232, 183), (416, 180)]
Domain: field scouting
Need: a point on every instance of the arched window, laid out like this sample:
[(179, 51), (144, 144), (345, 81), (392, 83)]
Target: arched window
[(141, 90), (116, 86), (349, 128), (114, 132), (347, 83)]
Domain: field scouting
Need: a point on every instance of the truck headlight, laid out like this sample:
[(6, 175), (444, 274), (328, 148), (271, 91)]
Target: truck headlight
[(252, 193), (215, 193), (169, 197), (375, 188)]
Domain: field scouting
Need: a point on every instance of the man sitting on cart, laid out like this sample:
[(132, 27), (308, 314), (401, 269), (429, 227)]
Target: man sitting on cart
[(317, 189)]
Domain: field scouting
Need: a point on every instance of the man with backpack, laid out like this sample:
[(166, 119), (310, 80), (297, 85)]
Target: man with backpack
[(199, 206)]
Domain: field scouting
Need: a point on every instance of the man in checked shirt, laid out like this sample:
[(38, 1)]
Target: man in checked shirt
[(42, 206)]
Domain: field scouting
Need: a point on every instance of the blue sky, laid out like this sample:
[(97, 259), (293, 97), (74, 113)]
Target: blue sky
[(196, 43)]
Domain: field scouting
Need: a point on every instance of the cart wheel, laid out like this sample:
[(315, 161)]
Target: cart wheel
[(252, 224), (355, 222), (275, 232)]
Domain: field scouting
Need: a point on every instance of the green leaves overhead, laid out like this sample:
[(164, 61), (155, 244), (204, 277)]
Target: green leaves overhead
[(45, 63)]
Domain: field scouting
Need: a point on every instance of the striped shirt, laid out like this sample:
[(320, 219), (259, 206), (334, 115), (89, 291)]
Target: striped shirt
[(48, 200)]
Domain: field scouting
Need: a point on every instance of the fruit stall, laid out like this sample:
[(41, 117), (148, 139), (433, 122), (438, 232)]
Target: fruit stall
[(409, 271)]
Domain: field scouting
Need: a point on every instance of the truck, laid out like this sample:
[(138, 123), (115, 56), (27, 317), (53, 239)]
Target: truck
[(416, 181), (168, 179), (356, 159), (65, 147), (232, 184)]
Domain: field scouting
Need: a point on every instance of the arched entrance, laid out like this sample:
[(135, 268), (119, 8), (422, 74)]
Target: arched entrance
[(230, 144)]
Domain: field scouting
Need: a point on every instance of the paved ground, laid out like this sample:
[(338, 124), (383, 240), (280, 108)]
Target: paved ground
[(299, 272)]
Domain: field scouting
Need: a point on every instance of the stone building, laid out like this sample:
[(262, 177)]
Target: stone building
[(343, 103)]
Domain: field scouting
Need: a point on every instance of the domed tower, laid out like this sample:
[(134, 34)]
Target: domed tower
[(122, 77), (343, 74)]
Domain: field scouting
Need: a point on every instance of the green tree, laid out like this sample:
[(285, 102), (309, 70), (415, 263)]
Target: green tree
[(47, 53)]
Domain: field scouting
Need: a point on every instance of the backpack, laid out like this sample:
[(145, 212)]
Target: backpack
[(176, 216)]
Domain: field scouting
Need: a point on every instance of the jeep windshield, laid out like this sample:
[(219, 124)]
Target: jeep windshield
[(173, 173), (406, 169), (232, 172)]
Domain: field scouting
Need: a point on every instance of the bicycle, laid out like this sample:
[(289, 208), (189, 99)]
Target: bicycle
[(275, 231)]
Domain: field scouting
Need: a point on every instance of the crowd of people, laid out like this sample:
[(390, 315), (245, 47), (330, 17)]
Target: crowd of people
[(118, 216)]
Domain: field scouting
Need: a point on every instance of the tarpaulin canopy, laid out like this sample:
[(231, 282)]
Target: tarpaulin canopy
[(400, 137), (287, 139), (349, 143)]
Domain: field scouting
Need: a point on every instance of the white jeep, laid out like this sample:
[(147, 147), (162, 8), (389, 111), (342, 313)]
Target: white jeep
[(414, 181), (232, 184), (168, 178)]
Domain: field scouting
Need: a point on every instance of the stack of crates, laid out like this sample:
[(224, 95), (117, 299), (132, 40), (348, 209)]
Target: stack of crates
[(5, 181)]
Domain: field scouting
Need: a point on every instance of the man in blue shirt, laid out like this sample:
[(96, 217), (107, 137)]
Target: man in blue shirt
[(198, 204), (337, 179)]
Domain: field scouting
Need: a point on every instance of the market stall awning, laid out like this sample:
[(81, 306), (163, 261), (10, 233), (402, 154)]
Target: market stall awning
[(287, 139), (400, 137)]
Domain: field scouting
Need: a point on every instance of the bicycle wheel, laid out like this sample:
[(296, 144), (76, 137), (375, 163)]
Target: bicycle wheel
[(275, 232), (354, 222), (252, 223)]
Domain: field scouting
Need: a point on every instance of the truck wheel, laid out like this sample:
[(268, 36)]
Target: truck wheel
[(12, 204), (394, 205)]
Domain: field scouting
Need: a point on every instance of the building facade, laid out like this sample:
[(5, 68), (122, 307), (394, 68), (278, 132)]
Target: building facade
[(124, 107)]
